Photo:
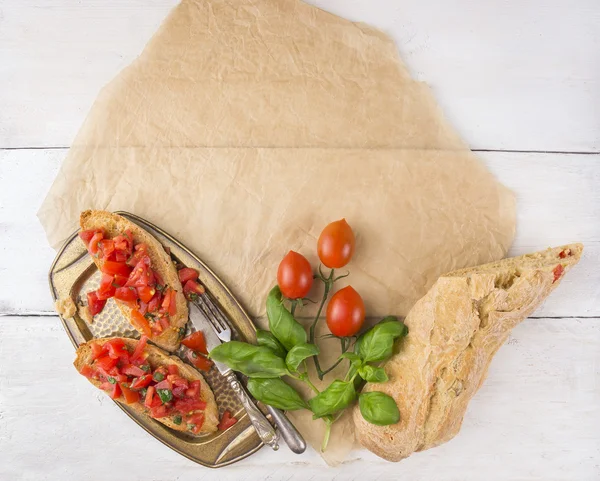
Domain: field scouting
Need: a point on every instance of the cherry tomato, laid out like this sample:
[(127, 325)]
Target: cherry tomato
[(345, 312), (196, 342), (336, 244), (294, 276), (226, 421), (187, 274)]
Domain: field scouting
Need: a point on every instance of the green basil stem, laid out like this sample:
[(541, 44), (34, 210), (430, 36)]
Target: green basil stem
[(328, 423), (328, 284), (293, 309), (344, 349), (303, 376)]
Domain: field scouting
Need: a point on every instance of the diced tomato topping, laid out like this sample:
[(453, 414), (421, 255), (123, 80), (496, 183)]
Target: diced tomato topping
[(159, 412), (187, 405), (226, 421), (124, 243), (106, 362), (179, 392), (106, 289), (139, 349), (155, 401), (141, 275), (177, 380), (114, 391), (154, 303), (173, 303), (95, 305), (114, 268), (192, 287), (132, 370), (558, 271), (149, 396), (172, 369), (146, 293), (140, 251), (96, 350), (187, 274), (86, 235), (126, 294), (141, 382), (164, 384), (140, 323), (194, 389), (115, 348), (164, 323), (119, 281), (196, 342), (94, 245), (196, 420), (107, 246), (565, 253), (199, 361), (87, 371), (129, 395)]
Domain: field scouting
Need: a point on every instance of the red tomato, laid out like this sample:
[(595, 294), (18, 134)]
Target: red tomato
[(124, 243), (558, 271), (294, 276), (172, 369), (141, 275), (86, 235), (192, 287), (106, 362), (115, 348), (106, 289), (146, 293), (114, 268), (345, 312), (159, 412), (173, 303), (196, 342), (119, 281), (199, 361), (197, 420), (154, 303), (164, 384), (139, 252), (126, 294), (187, 274), (94, 245), (113, 390), (336, 244), (139, 349), (184, 406), (129, 395), (141, 382), (107, 246), (87, 371), (96, 350), (140, 323), (132, 370), (95, 305), (226, 421), (149, 396), (194, 390)]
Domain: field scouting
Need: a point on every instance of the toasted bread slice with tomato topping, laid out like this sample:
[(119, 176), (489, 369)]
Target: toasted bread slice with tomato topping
[(114, 225), (156, 357)]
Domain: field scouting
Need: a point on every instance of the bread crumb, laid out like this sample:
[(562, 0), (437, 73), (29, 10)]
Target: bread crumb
[(65, 307), (85, 314)]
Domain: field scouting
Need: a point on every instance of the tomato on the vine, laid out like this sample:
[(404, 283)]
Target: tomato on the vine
[(336, 244), (345, 312), (294, 276)]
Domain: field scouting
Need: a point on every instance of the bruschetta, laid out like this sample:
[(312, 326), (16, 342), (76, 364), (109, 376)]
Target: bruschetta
[(150, 381), (138, 274)]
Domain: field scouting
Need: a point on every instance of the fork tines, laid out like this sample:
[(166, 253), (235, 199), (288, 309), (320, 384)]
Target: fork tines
[(214, 315)]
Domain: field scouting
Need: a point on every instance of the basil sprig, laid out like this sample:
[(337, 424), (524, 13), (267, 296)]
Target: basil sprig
[(251, 360), (276, 393), (377, 343), (338, 395), (298, 354), (266, 339), (282, 324)]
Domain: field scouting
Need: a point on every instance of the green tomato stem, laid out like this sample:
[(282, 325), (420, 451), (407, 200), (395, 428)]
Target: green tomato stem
[(345, 347), (328, 281)]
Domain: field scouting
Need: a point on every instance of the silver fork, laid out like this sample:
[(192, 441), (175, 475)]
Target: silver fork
[(290, 434)]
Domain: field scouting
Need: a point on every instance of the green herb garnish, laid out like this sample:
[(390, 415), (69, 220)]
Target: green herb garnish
[(112, 380), (177, 419), (158, 376), (145, 367), (165, 395)]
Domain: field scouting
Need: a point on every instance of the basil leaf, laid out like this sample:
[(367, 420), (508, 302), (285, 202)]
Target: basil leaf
[(355, 359), (276, 393), (112, 380), (378, 408), (177, 419), (165, 395), (251, 360), (158, 376), (372, 374), (299, 353), (337, 396), (377, 343), (281, 322), (266, 339)]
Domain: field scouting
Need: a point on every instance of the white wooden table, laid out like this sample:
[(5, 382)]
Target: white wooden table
[(521, 82)]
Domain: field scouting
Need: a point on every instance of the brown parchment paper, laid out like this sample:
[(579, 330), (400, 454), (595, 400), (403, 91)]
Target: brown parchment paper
[(246, 126)]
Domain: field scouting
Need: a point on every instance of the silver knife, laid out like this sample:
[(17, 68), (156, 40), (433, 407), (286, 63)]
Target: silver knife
[(219, 333)]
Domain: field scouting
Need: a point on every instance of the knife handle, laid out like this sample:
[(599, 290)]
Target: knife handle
[(266, 432), (288, 431)]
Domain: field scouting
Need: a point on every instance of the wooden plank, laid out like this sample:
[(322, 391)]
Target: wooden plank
[(558, 202), (536, 417), (510, 75)]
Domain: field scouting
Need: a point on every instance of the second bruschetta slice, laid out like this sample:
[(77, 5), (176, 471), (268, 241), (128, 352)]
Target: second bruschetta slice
[(150, 381), (138, 274)]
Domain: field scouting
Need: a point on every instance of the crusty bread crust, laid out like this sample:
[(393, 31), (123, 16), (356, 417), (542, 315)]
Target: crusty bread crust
[(115, 225), (157, 357), (454, 332)]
